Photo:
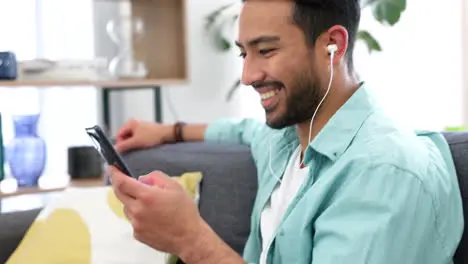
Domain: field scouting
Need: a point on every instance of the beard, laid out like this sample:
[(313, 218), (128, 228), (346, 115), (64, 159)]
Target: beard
[(302, 99)]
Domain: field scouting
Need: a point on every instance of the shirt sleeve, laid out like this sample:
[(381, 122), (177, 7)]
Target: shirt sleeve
[(241, 131), (382, 216)]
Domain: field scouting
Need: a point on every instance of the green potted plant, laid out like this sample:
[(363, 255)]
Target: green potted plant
[(385, 12)]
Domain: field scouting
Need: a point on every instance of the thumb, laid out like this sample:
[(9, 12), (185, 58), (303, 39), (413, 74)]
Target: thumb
[(125, 145), (160, 179)]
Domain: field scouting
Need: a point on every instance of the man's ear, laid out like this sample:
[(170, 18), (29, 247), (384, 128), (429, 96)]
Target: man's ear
[(338, 35)]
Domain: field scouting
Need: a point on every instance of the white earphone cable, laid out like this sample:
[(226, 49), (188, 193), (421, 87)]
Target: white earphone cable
[(332, 55)]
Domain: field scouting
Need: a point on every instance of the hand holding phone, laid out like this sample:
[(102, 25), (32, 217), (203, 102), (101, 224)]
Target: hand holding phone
[(104, 146)]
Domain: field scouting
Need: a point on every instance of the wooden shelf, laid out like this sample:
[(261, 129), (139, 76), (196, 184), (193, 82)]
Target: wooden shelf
[(74, 183), (104, 84), (162, 48)]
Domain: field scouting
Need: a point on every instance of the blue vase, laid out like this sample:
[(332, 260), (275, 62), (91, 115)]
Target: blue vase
[(27, 151)]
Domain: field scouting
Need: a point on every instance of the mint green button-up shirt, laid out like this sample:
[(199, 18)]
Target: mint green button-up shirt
[(375, 193)]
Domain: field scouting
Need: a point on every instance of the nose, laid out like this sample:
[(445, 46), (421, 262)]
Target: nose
[(252, 72)]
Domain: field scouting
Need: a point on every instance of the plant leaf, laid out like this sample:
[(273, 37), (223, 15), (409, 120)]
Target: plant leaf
[(221, 42), (371, 43), (225, 44), (386, 11), (216, 22), (213, 16)]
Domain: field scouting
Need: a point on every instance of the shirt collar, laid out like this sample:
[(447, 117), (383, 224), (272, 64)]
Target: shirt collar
[(335, 137)]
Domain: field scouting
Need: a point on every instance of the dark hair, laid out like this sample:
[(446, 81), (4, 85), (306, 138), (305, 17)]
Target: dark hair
[(316, 16)]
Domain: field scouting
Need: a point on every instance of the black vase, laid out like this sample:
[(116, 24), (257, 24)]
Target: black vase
[(84, 162)]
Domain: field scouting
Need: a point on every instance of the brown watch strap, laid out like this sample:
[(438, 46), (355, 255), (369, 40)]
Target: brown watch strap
[(178, 136)]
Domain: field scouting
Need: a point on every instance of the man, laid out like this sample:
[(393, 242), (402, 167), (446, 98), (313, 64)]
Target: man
[(339, 182)]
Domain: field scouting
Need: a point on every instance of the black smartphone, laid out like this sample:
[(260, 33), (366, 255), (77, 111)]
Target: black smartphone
[(104, 146)]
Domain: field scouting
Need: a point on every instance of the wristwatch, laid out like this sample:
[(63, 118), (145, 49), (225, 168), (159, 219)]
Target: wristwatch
[(178, 127)]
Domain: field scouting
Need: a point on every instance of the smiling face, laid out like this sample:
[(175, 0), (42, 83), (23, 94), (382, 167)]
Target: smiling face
[(279, 64)]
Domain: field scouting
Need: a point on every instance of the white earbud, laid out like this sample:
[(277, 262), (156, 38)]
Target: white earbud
[(332, 48)]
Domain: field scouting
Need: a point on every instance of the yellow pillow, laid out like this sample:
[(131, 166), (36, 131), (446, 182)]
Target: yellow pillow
[(88, 226)]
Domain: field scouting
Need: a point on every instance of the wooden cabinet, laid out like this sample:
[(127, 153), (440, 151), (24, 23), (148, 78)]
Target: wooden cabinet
[(164, 46)]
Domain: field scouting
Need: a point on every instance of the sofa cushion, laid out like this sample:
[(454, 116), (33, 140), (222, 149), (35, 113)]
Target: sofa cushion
[(88, 225), (228, 187)]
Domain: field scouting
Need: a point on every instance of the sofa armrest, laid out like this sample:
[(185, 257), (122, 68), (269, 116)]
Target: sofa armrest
[(13, 227)]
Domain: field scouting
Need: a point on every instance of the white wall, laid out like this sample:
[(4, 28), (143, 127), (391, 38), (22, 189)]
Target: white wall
[(418, 76), (464, 31), (64, 31)]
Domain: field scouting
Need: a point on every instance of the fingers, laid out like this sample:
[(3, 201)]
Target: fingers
[(125, 199), (160, 179), (125, 145), (116, 182), (146, 179), (127, 213), (125, 187), (126, 130)]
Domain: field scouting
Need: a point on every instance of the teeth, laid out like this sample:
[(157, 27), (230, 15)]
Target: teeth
[(268, 95)]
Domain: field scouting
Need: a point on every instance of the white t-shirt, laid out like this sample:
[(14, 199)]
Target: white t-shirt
[(281, 197)]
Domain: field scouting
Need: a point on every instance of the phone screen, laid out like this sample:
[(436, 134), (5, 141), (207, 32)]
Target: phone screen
[(104, 146)]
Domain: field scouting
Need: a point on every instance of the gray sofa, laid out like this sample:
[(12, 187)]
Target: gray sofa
[(228, 188)]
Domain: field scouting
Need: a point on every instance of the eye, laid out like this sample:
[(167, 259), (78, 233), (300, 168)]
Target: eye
[(266, 51), (242, 54)]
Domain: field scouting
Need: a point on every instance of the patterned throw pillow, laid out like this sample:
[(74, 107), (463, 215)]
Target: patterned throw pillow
[(88, 226)]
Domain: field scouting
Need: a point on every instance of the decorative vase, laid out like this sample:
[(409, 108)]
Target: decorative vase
[(27, 151)]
